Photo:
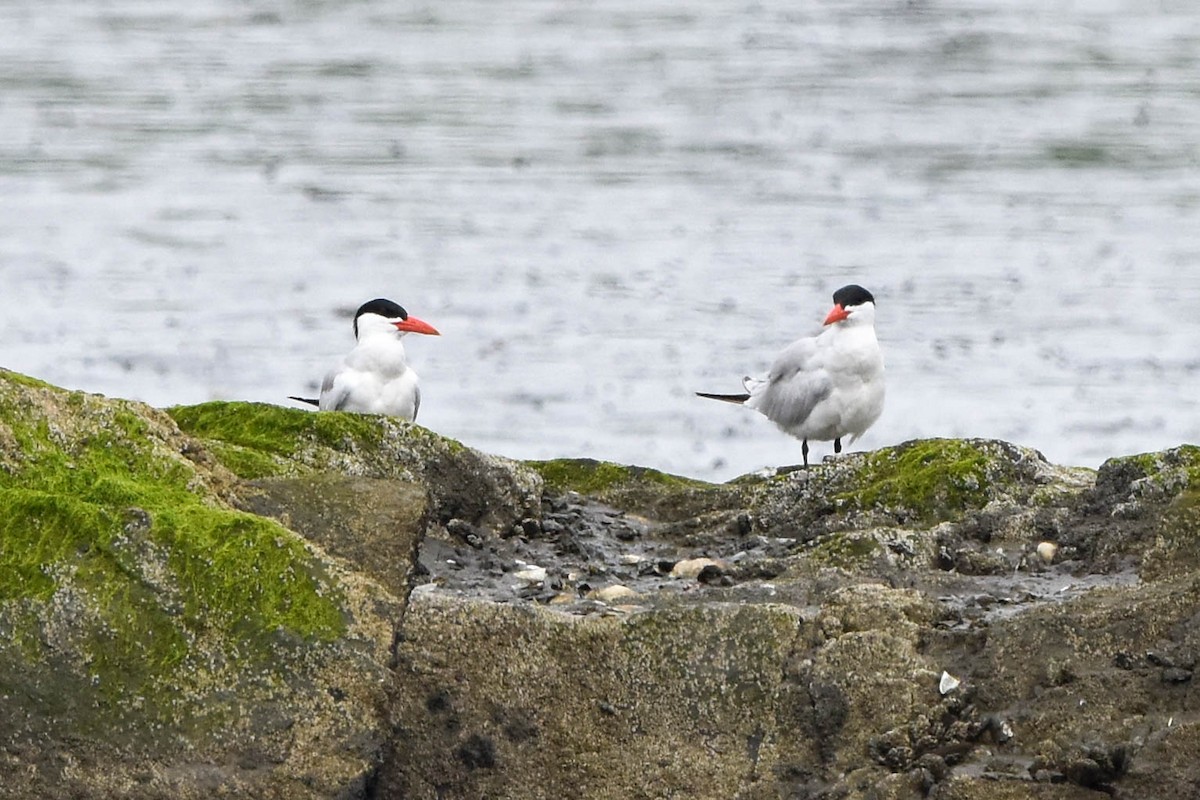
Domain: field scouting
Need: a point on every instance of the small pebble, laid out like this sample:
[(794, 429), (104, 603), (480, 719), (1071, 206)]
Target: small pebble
[(1176, 675), (613, 593), (692, 567), (1046, 551), (531, 574)]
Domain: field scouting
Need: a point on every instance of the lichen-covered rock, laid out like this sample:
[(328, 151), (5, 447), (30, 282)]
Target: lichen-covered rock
[(1141, 512), (915, 483), (499, 701), (1054, 695), (647, 492), (970, 788), (219, 600), (258, 441), (375, 524), (155, 641)]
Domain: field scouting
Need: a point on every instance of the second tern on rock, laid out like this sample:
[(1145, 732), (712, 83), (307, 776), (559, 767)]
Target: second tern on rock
[(827, 386), (375, 378)]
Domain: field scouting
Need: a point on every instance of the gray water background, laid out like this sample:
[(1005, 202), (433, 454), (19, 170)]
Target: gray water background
[(607, 205)]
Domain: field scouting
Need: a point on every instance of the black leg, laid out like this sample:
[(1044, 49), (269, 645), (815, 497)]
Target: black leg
[(837, 445), (804, 449)]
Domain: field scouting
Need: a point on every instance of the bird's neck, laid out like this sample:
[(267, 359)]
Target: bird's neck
[(380, 353)]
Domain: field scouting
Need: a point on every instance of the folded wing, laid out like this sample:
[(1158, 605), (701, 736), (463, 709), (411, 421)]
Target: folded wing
[(792, 389)]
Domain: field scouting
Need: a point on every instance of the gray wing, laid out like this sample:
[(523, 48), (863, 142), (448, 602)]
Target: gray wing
[(416, 402), (793, 387), (332, 399)]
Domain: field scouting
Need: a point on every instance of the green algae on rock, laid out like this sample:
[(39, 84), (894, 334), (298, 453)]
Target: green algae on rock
[(1163, 487), (136, 600), (640, 490), (90, 474), (256, 441), (226, 612), (921, 483), (591, 477)]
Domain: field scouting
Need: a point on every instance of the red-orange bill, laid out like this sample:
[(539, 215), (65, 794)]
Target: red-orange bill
[(414, 325), (836, 315)]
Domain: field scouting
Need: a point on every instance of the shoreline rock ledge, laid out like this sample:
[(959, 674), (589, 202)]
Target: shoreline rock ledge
[(243, 600)]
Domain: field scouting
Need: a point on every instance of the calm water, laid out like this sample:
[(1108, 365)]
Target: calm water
[(607, 205)]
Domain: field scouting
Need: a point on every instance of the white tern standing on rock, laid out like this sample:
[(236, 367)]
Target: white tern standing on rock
[(826, 386)]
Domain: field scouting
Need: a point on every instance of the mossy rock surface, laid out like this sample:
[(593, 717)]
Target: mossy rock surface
[(375, 524), (145, 617), (214, 601), (918, 483), (647, 492), (259, 441), (1142, 512)]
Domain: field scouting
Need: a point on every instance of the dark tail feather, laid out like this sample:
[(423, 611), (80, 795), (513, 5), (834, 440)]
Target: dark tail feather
[(312, 401), (726, 398)]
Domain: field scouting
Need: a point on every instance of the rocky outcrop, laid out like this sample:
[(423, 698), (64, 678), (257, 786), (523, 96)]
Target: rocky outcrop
[(257, 601)]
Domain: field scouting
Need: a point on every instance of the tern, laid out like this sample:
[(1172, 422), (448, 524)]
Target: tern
[(827, 386), (374, 378)]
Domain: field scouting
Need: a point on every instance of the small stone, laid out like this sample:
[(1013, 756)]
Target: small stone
[(1046, 551), (532, 573), (1086, 772), (529, 591), (692, 567), (626, 534), (935, 765), (472, 535), (1176, 675), (631, 558), (1001, 729), (613, 593), (1159, 659)]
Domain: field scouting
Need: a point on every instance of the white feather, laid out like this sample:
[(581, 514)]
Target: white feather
[(827, 386), (374, 378)]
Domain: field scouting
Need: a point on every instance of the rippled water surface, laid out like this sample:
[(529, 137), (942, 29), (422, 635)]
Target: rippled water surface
[(605, 206)]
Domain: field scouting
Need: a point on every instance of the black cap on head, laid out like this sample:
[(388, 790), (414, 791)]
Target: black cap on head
[(382, 307), (852, 295)]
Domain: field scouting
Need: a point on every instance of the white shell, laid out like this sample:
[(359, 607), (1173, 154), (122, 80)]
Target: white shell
[(948, 683)]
